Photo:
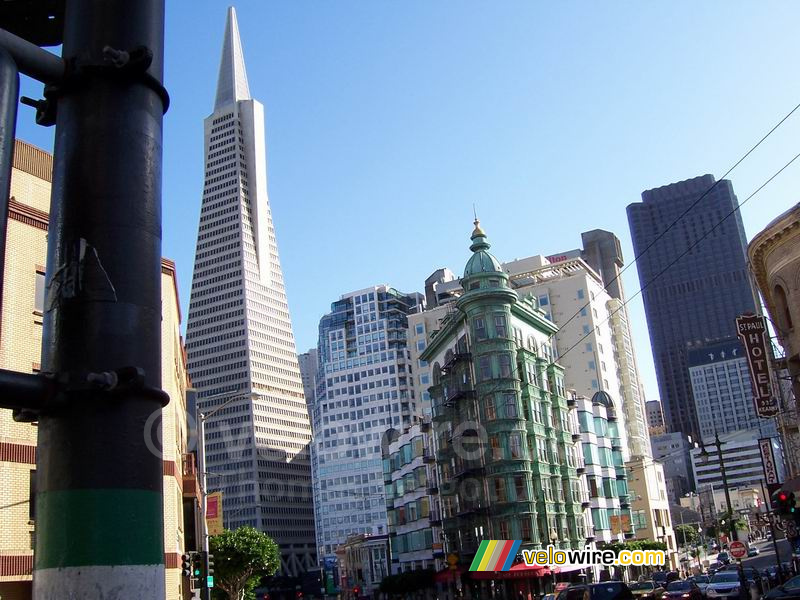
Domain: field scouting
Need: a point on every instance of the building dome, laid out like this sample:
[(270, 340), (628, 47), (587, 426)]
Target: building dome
[(481, 261), (603, 398)]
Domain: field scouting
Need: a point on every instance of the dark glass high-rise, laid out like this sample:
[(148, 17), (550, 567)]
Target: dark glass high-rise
[(699, 296)]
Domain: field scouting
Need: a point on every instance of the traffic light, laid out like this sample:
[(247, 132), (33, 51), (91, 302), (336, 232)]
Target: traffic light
[(186, 564), (197, 565), (209, 568), (784, 503)]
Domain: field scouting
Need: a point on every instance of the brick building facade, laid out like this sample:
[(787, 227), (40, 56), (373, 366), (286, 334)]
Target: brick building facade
[(20, 350)]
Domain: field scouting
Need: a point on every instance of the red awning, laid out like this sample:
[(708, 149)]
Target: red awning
[(518, 571), (568, 568), (447, 575)]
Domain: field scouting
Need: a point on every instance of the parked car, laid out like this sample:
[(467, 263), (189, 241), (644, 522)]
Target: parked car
[(608, 590), (724, 557), (646, 590), (662, 578), (724, 585), (752, 575), (752, 551), (788, 591), (702, 582), (682, 589)]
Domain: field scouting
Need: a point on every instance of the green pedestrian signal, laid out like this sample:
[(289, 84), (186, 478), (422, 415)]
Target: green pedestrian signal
[(210, 581), (197, 564)]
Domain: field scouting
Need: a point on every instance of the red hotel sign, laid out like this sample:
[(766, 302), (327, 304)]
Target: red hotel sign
[(752, 331)]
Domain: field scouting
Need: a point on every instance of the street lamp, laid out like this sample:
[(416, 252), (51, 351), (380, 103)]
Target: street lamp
[(201, 453), (704, 456)]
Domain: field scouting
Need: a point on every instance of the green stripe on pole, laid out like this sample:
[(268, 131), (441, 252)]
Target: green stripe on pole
[(98, 527), (479, 555)]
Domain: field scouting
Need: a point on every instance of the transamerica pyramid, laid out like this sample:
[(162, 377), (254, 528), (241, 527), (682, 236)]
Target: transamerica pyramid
[(239, 338)]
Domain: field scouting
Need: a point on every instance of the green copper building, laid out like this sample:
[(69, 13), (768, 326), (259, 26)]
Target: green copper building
[(506, 441)]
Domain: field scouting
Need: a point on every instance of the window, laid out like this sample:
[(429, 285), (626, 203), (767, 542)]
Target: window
[(593, 491), (500, 328), (505, 365), (479, 325), (420, 329), (490, 410), (515, 445), (38, 298), (32, 496), (547, 493), (520, 488), (782, 306), (421, 345), (581, 294), (494, 444), (484, 368), (504, 530), (510, 405), (500, 489), (526, 528)]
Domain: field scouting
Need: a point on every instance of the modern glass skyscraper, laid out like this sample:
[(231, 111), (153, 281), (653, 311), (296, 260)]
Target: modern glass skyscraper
[(240, 346), (698, 298), (364, 389)]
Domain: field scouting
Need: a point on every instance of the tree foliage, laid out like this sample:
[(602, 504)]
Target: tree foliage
[(241, 558), (635, 545), (686, 534)]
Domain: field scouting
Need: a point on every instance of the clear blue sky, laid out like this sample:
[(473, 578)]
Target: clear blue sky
[(387, 120)]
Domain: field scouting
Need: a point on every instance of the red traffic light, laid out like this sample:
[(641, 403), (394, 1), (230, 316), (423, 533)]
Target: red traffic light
[(783, 496)]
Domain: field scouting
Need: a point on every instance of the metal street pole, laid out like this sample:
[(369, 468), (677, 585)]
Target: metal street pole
[(744, 588), (772, 531), (99, 502), (9, 96), (201, 464)]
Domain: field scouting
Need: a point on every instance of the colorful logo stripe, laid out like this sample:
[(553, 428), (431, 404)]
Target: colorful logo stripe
[(495, 555)]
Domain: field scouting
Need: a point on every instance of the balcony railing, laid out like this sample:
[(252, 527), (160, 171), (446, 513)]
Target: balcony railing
[(455, 359)]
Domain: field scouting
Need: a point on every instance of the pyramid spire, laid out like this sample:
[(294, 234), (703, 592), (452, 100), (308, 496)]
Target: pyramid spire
[(232, 82)]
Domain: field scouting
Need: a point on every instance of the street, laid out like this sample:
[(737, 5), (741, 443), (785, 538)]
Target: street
[(766, 558)]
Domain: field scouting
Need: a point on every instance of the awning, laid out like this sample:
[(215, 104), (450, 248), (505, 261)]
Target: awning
[(447, 575), (518, 571), (569, 568)]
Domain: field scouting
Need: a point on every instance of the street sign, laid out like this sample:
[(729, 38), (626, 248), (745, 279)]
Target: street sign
[(752, 331), (738, 549)]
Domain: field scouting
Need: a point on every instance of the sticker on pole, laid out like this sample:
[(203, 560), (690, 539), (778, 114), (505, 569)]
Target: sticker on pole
[(738, 550)]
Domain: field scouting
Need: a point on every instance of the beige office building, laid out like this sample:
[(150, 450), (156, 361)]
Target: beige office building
[(20, 350)]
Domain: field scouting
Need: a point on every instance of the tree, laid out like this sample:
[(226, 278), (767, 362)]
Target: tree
[(241, 558), (686, 534)]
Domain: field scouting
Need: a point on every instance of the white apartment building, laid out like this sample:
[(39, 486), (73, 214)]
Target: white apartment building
[(364, 390), (722, 390), (574, 297), (742, 458), (604, 468)]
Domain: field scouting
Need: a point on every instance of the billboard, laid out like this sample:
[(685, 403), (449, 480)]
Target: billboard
[(214, 513), (752, 331)]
